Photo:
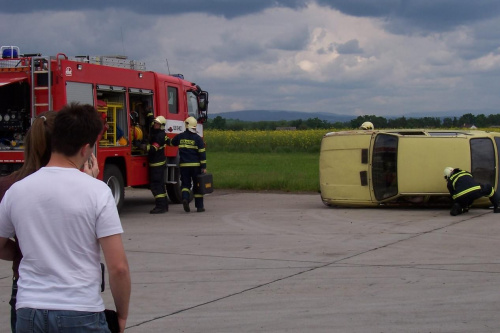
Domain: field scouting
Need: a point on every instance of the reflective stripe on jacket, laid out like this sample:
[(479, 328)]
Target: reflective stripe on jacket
[(192, 151)]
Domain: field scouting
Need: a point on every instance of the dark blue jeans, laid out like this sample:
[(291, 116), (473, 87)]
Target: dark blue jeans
[(12, 303), (61, 321)]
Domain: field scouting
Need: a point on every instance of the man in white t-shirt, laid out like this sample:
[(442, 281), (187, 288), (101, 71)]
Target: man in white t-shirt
[(63, 218)]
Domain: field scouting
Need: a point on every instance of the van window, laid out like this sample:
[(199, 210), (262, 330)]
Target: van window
[(384, 166), (483, 160), (497, 141)]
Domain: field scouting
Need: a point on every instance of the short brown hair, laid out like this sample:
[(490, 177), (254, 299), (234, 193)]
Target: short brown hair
[(75, 126)]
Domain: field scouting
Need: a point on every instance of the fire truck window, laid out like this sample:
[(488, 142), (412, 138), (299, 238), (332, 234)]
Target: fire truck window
[(111, 105), (192, 104), (173, 104)]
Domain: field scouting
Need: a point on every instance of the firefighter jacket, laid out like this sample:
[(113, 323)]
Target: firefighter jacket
[(191, 149), (461, 183), (156, 151)]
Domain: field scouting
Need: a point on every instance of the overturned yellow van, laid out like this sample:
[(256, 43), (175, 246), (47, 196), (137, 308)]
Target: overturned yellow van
[(388, 167)]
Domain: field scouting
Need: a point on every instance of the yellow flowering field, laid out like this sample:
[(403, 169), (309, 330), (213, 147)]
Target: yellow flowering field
[(256, 141)]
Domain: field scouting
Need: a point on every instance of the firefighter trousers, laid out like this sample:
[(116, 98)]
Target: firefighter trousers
[(188, 179), (157, 185), (486, 191)]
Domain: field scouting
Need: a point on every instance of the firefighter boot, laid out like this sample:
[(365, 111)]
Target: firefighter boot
[(496, 209), (185, 202), (456, 209), (198, 202), (161, 206), (185, 205)]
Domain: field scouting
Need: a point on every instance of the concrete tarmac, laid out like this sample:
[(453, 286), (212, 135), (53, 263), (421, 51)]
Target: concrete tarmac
[(277, 262)]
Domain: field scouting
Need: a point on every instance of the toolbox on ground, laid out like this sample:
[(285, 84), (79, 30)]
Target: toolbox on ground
[(205, 183)]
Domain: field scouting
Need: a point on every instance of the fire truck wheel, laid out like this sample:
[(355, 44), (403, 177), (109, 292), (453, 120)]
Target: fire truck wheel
[(113, 177), (174, 189)]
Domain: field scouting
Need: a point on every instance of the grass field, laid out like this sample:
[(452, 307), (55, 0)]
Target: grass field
[(290, 172)]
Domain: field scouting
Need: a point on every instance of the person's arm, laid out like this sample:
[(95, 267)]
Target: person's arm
[(8, 249), (119, 275)]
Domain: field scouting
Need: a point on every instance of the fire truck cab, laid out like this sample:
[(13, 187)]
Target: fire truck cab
[(122, 91)]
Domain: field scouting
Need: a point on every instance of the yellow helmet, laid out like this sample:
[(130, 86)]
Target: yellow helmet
[(137, 133), (122, 141), (447, 172), (367, 125), (162, 121), (191, 123)]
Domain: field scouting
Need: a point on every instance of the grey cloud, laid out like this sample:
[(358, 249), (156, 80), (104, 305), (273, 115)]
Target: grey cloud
[(235, 49), (401, 16), (350, 47), (292, 41), (409, 16), (226, 8)]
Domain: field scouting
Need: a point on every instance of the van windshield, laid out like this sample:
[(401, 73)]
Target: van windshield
[(384, 166)]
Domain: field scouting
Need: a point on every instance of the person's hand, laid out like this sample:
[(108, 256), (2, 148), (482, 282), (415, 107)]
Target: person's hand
[(203, 170), (122, 323), (90, 166)]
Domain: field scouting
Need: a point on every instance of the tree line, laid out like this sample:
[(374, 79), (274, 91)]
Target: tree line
[(466, 120)]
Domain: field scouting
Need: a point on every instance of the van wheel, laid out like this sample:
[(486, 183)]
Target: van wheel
[(113, 177)]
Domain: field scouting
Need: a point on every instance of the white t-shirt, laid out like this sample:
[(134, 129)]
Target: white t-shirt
[(58, 215)]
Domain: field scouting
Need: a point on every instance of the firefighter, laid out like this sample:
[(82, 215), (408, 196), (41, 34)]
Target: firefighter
[(464, 190), (157, 164), (192, 162), (147, 113)]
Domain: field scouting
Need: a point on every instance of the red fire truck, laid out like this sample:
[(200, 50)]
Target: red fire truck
[(120, 89)]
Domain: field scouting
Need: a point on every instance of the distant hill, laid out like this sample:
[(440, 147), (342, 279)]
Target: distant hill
[(275, 115), (448, 114)]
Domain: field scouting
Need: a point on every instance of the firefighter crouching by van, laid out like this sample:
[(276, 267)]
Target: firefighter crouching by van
[(193, 162), (157, 165), (464, 190)]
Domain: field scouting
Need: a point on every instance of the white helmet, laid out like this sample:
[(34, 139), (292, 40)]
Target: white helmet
[(161, 120), (191, 124), (447, 172), (367, 125)]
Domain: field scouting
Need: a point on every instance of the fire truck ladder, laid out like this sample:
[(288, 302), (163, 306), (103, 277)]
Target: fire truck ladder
[(39, 66)]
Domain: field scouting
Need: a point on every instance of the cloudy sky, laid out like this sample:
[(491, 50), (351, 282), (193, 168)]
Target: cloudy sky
[(353, 57)]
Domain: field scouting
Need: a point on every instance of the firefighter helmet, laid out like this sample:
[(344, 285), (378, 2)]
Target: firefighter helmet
[(367, 126), (191, 124), (123, 141), (137, 133), (162, 121), (447, 172)]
